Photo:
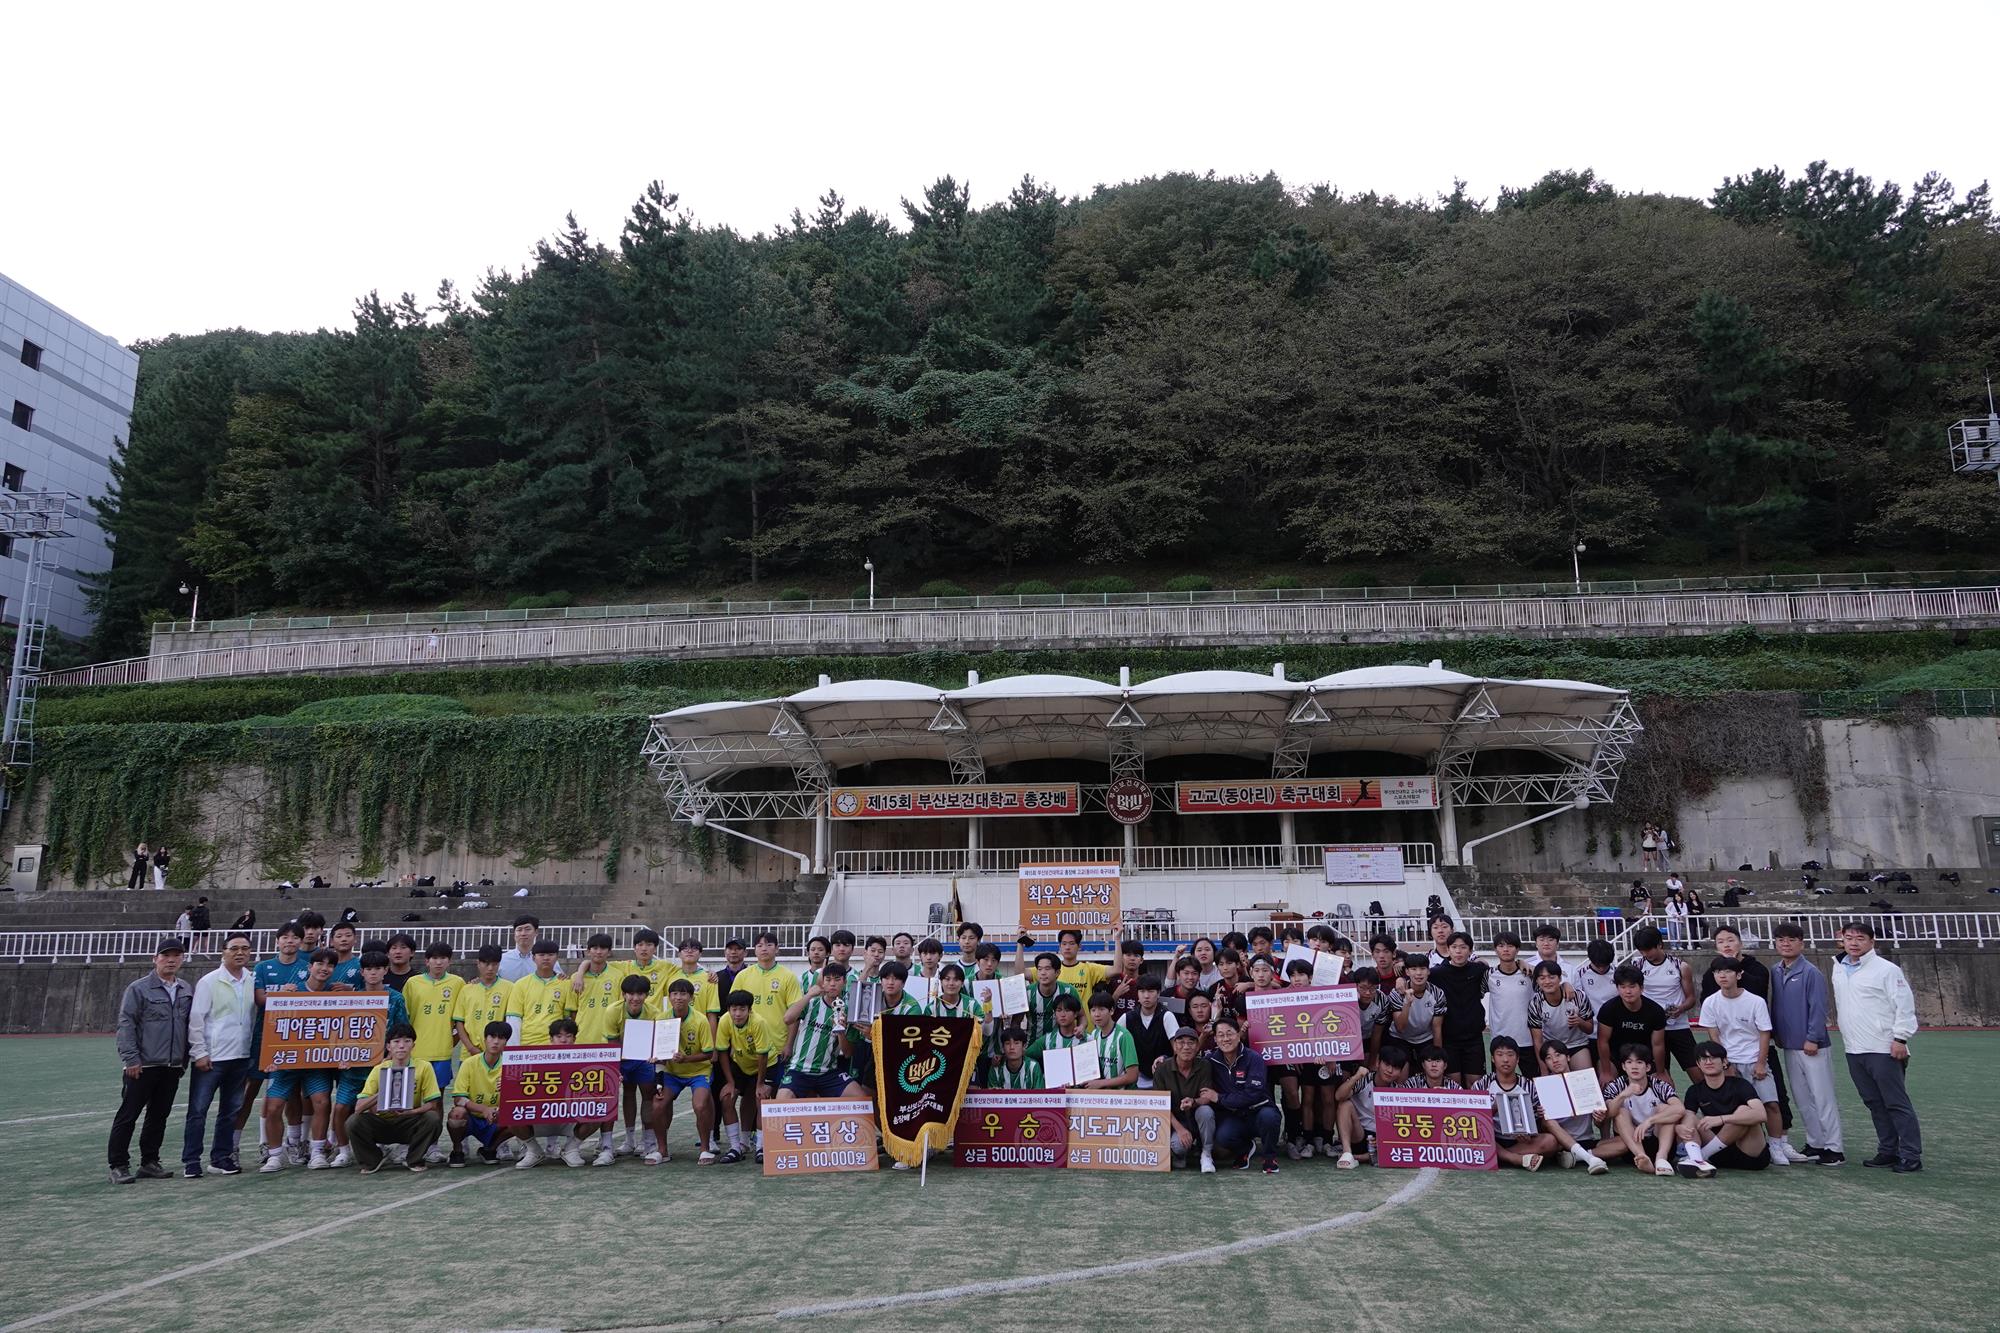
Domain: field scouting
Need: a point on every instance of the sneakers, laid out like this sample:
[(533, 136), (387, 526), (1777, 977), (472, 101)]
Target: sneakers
[(1881, 1159), (1292, 1149), (1532, 1161), (488, 1157), (1243, 1163), (345, 1157), (457, 1157), (1693, 1166), (1908, 1168), (1347, 1162), (228, 1166), (153, 1171), (122, 1175), (532, 1155), (295, 1152), (1270, 1166), (627, 1146), (1828, 1157), (437, 1156), (573, 1155), (1208, 1164), (1567, 1159), (319, 1161), (191, 1172), (605, 1156), (274, 1162), (1306, 1149)]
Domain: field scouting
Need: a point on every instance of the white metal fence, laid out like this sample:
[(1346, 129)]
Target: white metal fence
[(1006, 860), (1893, 930), (1060, 627)]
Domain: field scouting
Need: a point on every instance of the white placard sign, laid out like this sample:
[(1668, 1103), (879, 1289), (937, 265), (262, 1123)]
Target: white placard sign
[(1364, 863)]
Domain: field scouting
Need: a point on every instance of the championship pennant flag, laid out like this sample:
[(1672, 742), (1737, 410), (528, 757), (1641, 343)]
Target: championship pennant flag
[(922, 1066)]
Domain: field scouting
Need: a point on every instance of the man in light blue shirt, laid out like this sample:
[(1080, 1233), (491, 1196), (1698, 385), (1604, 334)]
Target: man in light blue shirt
[(519, 961)]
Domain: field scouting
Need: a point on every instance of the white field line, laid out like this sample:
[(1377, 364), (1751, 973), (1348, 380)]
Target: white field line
[(1423, 1180), (220, 1261)]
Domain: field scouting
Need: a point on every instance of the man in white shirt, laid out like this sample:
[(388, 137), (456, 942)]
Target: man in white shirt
[(519, 961), (1741, 1021), (1878, 1016), (221, 1025)]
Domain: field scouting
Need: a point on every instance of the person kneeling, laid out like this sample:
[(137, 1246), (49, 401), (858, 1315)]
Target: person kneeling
[(399, 1104), (475, 1100)]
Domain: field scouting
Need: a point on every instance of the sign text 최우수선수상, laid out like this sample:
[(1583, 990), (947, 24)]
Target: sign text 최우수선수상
[(1059, 895)]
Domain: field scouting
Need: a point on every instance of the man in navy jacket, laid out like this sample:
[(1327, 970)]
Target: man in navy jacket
[(1245, 1115)]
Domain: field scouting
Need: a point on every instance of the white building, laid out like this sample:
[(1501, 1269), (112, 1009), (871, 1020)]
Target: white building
[(66, 392)]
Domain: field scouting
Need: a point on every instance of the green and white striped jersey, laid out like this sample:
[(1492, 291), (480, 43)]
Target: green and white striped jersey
[(815, 1049)]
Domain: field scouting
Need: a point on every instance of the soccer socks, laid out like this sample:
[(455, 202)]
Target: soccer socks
[(1714, 1145)]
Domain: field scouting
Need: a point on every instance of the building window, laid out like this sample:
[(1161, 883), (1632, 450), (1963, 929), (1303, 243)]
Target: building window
[(24, 416), (31, 355), (12, 477)]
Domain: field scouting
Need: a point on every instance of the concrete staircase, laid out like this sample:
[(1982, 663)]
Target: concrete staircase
[(381, 910), (1533, 893), (755, 903)]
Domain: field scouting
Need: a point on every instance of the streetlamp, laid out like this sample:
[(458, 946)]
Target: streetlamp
[(1576, 565), (869, 565), (194, 613)]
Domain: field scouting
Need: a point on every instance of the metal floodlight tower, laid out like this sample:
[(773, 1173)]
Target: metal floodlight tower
[(34, 517), (1975, 441)]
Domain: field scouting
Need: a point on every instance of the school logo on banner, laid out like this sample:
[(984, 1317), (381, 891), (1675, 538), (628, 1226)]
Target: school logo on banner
[(922, 1066)]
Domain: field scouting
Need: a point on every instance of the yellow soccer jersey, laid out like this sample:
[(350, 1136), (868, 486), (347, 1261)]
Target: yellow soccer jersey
[(657, 974), (538, 1003), (1084, 976), (432, 1005), (591, 1006), (477, 1005), (758, 1036), (706, 1000), (697, 1044), (614, 1025), (427, 1082), (773, 990), (477, 1081)]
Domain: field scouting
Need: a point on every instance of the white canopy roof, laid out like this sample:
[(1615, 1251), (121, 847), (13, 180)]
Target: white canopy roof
[(1446, 718)]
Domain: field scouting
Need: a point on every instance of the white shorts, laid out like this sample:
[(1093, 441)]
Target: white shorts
[(1767, 1088)]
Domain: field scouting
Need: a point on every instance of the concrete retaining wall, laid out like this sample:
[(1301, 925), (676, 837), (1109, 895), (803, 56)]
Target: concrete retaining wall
[(1900, 794)]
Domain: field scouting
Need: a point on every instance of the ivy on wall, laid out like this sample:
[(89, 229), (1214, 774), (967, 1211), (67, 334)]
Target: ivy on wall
[(1691, 745), (535, 787)]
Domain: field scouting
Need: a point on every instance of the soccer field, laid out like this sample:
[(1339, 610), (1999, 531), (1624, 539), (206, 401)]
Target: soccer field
[(680, 1245)]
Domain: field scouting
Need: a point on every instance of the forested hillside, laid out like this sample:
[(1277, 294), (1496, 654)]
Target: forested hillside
[(1180, 368)]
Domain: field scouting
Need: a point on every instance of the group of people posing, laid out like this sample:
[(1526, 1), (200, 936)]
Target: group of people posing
[(753, 1029)]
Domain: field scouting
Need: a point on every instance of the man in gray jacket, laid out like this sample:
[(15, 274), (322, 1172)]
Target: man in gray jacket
[(153, 1048)]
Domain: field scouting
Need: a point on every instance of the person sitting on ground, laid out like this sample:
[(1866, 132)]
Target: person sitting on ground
[(1517, 1132), (1576, 1135), (1727, 1112), (1741, 1022), (398, 1104), (1646, 1114)]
